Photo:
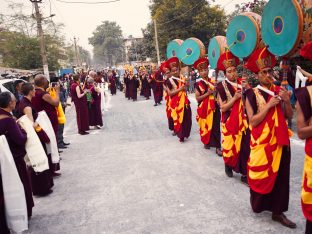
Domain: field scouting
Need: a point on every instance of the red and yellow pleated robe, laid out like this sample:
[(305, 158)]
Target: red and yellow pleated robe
[(266, 146), (205, 112), (233, 129), (306, 190), (177, 105), (168, 109)]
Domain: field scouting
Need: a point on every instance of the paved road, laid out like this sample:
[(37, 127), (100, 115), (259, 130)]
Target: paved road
[(132, 176)]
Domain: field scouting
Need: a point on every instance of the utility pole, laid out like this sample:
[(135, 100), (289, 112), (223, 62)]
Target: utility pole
[(156, 39), (76, 52), (41, 37)]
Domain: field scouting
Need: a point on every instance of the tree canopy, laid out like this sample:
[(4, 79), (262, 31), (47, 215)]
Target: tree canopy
[(183, 19), (107, 43)]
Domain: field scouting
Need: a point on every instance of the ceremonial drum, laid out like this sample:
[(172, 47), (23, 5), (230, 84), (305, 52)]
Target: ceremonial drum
[(282, 26), (216, 47), (173, 48), (243, 34), (306, 6), (191, 50)]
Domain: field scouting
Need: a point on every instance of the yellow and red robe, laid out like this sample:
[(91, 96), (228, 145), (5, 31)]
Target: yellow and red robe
[(306, 190), (205, 111), (178, 103), (168, 109), (233, 129), (266, 145)]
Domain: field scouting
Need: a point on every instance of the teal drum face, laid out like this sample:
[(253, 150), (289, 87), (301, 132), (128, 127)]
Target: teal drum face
[(243, 35), (216, 47), (191, 50), (281, 26), (173, 48)]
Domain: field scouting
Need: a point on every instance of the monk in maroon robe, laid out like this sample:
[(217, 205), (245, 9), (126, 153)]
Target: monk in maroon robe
[(112, 82), (16, 138), (127, 82), (156, 81), (80, 101), (145, 86), (94, 105), (43, 101), (42, 182), (133, 86)]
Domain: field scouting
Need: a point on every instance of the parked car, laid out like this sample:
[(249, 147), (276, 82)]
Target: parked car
[(8, 85)]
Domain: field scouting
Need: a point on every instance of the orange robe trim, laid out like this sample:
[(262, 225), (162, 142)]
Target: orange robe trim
[(205, 112), (306, 190), (177, 105), (232, 131), (266, 146)]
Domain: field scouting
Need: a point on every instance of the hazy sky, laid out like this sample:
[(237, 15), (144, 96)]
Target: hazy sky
[(81, 19)]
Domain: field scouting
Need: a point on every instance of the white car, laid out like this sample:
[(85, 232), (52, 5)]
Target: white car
[(8, 85)]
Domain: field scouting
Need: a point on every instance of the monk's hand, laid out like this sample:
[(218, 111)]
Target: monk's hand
[(35, 125), (238, 95), (285, 94), (273, 101)]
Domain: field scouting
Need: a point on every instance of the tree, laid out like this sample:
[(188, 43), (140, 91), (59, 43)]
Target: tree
[(107, 43), (137, 51), (19, 45), (255, 6), (183, 19)]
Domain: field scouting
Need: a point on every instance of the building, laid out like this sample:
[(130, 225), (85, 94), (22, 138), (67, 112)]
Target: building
[(128, 42)]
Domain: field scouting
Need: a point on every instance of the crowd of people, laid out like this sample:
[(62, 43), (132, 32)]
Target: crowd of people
[(253, 123), (32, 123)]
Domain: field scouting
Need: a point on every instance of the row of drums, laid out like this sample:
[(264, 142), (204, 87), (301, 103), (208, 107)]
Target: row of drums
[(284, 27)]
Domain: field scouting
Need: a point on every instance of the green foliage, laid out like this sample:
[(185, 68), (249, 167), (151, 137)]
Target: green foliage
[(20, 51), (107, 43), (255, 6), (137, 51), (19, 45), (183, 19)]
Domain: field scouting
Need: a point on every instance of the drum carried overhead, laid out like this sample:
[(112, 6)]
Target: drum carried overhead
[(173, 48), (243, 34), (282, 26), (217, 46), (191, 50)]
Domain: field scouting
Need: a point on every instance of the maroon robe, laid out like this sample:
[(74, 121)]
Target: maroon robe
[(215, 137), (146, 88), (157, 86), (17, 138), (39, 105), (95, 113), (127, 81), (41, 182), (112, 82), (241, 166), (277, 200), (133, 88), (81, 108)]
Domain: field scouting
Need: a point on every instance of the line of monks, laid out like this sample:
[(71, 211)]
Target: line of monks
[(145, 82), (255, 134)]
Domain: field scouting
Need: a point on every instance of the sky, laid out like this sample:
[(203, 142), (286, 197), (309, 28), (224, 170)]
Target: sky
[(82, 19)]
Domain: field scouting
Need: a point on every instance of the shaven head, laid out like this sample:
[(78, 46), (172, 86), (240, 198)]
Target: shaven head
[(92, 74), (41, 81)]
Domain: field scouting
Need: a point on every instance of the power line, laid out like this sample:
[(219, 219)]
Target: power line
[(181, 14), (81, 2)]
